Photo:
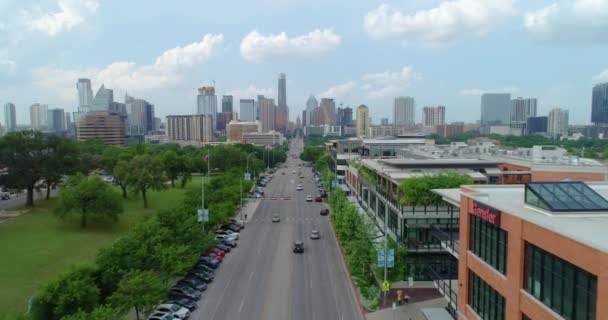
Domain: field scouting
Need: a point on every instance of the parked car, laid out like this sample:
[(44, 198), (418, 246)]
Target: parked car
[(324, 211), (209, 262), (218, 251), (227, 232), (194, 284), (221, 237), (231, 227), (318, 199), (183, 302), (218, 258), (201, 267), (177, 310), (163, 316), (203, 276), (224, 248), (229, 243), (190, 293)]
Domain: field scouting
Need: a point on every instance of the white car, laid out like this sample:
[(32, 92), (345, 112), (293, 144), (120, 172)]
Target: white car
[(299, 187), (309, 198), (176, 310), (293, 171), (228, 233), (225, 237)]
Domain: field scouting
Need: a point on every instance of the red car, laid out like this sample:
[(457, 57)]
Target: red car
[(216, 257), (324, 212), (218, 252), (318, 199)]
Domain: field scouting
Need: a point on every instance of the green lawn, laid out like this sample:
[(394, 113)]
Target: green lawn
[(37, 246)]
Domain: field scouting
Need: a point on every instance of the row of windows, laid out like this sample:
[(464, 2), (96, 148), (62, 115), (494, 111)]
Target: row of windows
[(424, 221), (486, 302), (489, 242), (561, 286)]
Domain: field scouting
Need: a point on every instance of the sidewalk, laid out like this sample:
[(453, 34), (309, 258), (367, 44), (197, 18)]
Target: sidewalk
[(408, 311), (249, 209)]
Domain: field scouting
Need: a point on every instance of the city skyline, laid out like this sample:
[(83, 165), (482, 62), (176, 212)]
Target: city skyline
[(244, 60)]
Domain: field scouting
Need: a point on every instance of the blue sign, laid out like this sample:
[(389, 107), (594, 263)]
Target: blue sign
[(203, 215), (391, 258), (381, 258), (334, 183)]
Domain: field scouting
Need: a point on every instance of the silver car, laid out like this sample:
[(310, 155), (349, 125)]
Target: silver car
[(314, 234)]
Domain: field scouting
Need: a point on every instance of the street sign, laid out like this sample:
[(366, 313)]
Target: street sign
[(386, 286), (203, 215), (390, 263), (334, 183), (247, 176), (381, 258)]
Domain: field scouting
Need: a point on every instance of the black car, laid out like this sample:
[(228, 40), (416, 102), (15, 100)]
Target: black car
[(298, 247), (231, 227), (193, 283), (189, 304), (209, 262), (186, 292), (203, 267), (228, 243), (223, 247), (200, 275)]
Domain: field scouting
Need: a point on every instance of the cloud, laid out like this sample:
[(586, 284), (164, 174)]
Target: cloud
[(439, 25), (562, 22), (601, 77), (383, 84), (71, 13), (258, 47), (339, 90), (128, 75), (479, 92), (251, 92)]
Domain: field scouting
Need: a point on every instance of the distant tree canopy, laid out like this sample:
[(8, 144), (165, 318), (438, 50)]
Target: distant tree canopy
[(417, 191)]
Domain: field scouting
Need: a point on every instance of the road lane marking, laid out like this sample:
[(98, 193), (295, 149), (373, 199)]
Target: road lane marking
[(241, 306)]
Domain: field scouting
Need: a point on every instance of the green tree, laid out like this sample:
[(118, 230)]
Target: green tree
[(61, 157), (99, 313), (22, 155), (417, 191), (121, 173), (142, 290), (72, 292), (174, 165), (87, 196), (145, 173)]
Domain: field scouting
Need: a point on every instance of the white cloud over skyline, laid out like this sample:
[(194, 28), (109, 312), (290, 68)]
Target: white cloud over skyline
[(339, 90), (601, 77), (71, 13)]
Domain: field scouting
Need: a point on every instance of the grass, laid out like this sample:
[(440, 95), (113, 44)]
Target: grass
[(37, 246)]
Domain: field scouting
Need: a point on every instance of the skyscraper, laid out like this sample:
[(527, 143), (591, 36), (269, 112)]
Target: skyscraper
[(403, 111), (267, 114), (38, 116), (85, 93), (599, 104), (327, 112), (384, 121), (433, 116), (536, 125), (557, 122), (227, 104), (10, 117), (140, 116), (206, 102), (282, 99), (104, 100), (282, 112), (304, 117), (56, 120), (495, 109), (247, 107), (345, 117), (362, 121), (311, 105), (521, 110)]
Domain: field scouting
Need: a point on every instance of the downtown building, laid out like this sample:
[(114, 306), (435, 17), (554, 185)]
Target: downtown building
[(311, 108), (557, 122), (282, 110), (521, 110), (206, 104), (404, 112), (39, 116), (267, 114), (191, 129), (10, 117), (495, 110), (235, 130), (248, 112), (140, 118), (433, 116), (109, 127), (362, 121)]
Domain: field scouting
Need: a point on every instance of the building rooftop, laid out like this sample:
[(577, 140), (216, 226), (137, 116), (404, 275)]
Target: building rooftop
[(586, 227), (396, 141)]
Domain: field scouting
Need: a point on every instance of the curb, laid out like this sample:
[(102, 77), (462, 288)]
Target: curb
[(350, 278)]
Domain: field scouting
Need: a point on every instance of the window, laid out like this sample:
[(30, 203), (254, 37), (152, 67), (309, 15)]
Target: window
[(484, 300), (566, 289), (489, 243)]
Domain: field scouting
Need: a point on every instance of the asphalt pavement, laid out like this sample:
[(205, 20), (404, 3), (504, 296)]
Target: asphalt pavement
[(263, 279), (20, 199)]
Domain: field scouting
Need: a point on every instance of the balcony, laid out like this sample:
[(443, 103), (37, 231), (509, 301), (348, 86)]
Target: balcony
[(448, 286), (448, 239)]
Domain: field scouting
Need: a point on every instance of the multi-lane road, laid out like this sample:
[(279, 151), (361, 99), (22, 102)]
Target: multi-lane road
[(263, 279)]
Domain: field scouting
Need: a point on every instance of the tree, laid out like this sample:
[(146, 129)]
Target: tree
[(22, 154), (99, 313), (88, 196), (139, 289), (72, 292), (173, 164), (61, 156), (121, 173), (145, 173), (417, 191)]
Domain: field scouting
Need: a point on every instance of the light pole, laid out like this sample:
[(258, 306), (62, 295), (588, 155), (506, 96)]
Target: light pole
[(203, 187)]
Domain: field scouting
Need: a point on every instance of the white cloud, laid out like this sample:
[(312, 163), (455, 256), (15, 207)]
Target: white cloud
[(383, 84), (439, 25), (601, 77), (578, 21), (251, 92), (128, 75), (258, 47), (479, 91), (339, 90), (71, 13)]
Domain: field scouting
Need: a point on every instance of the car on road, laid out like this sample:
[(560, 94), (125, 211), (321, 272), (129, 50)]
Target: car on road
[(293, 171), (318, 199), (276, 218), (283, 173), (175, 309), (314, 234), (324, 212), (299, 187), (309, 198), (298, 247)]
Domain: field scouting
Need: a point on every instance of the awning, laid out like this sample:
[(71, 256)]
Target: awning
[(477, 175), (493, 171)]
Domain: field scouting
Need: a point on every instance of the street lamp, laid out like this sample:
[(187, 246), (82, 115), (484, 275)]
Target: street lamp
[(241, 182)]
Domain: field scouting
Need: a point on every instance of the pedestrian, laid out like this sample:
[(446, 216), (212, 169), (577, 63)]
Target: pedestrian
[(245, 217), (399, 297)]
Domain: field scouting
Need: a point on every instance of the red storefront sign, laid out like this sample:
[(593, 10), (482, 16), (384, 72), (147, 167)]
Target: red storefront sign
[(486, 213)]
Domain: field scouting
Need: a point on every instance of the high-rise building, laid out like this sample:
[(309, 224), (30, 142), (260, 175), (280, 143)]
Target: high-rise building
[(258, 102), (206, 102), (362, 120), (345, 117), (56, 120), (108, 127), (267, 114), (495, 109), (140, 116), (38, 116), (521, 110), (557, 122), (227, 104), (282, 111), (433, 116), (536, 125), (68, 122), (10, 117), (223, 118), (282, 99), (403, 111), (247, 108), (299, 122), (599, 104), (384, 121), (85, 93), (311, 105), (104, 100), (304, 117), (327, 114), (196, 127)]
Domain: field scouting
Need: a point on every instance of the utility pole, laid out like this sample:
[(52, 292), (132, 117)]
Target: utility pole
[(385, 249), (203, 187)]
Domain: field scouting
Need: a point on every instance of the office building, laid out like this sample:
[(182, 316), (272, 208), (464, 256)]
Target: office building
[(85, 93), (403, 111), (536, 125), (235, 130), (56, 120), (304, 117), (362, 120), (68, 123), (345, 117), (599, 104), (311, 105), (196, 127), (267, 114), (227, 104), (109, 127), (448, 130), (326, 112), (140, 116), (521, 110), (268, 139), (104, 100), (384, 121), (38, 116), (557, 122), (433, 116), (10, 117), (223, 118), (299, 122), (282, 111), (247, 108), (495, 109), (206, 102)]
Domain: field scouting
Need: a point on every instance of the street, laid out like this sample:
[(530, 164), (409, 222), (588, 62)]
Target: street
[(20, 199), (263, 279)]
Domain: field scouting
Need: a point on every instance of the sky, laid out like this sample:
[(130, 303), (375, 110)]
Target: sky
[(358, 52)]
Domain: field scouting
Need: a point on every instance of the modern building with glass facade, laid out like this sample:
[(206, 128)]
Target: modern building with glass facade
[(599, 104), (536, 251), (495, 109), (206, 103), (10, 117)]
